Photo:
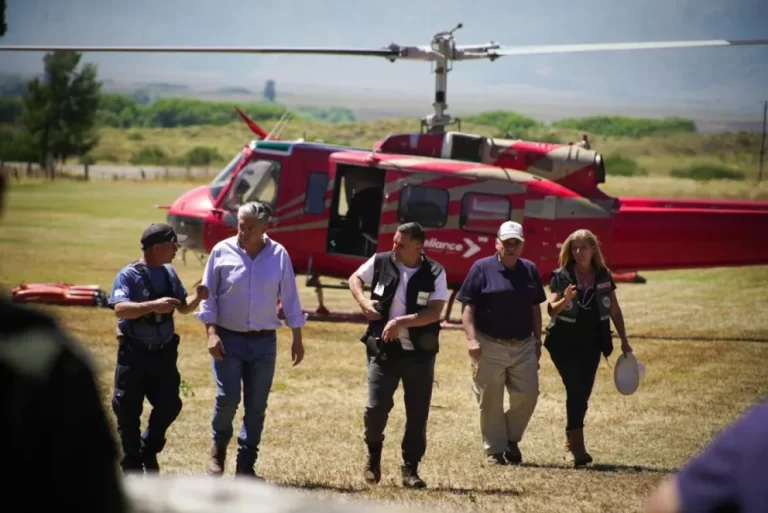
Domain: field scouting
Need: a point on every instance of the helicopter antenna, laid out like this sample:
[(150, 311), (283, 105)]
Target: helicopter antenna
[(278, 128)]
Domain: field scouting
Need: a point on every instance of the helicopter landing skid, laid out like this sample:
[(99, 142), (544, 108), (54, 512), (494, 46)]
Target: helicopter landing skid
[(358, 318)]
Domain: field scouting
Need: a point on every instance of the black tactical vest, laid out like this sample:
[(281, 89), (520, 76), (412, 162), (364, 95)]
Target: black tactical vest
[(421, 286), (565, 322), (170, 288)]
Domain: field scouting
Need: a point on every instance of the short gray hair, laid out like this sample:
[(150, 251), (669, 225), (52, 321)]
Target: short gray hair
[(254, 209)]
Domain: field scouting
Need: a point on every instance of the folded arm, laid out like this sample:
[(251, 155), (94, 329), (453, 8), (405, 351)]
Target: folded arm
[(429, 315)]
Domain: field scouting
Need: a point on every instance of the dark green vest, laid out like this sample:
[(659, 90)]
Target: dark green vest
[(565, 322)]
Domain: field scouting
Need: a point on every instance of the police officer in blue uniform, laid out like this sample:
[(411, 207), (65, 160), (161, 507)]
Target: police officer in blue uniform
[(144, 296)]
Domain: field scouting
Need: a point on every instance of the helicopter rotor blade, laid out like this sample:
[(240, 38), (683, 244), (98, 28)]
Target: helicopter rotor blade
[(598, 47), (384, 52)]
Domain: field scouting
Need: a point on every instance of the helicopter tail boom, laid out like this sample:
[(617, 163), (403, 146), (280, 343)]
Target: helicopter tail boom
[(651, 234)]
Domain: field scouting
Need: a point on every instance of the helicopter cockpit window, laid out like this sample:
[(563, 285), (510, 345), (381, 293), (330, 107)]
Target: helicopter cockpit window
[(427, 206), (218, 183), (483, 213), (258, 181)]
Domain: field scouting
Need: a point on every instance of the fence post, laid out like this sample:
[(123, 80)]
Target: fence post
[(762, 144)]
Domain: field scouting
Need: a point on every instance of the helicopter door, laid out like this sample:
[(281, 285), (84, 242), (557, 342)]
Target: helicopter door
[(353, 227)]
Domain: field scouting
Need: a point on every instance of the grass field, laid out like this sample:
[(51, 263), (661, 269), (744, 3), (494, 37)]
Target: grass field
[(699, 334)]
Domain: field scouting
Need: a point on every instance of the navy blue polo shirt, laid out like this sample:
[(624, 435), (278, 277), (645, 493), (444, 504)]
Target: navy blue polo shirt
[(129, 286), (503, 298), (732, 472)]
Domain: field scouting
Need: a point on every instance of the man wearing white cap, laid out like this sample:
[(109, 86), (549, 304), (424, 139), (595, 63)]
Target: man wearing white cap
[(502, 320)]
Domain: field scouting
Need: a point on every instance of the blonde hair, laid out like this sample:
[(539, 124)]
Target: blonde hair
[(566, 256)]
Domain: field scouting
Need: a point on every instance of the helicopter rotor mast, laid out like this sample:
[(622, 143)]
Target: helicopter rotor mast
[(442, 51)]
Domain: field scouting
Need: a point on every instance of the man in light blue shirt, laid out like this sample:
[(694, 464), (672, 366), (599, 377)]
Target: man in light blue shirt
[(246, 275)]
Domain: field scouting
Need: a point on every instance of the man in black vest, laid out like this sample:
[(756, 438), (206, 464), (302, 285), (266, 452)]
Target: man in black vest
[(144, 296), (409, 291)]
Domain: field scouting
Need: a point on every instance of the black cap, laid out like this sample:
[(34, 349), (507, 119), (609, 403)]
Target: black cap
[(157, 233)]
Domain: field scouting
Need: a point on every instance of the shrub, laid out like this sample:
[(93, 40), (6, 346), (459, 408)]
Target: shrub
[(149, 155), (506, 122), (616, 165), (202, 156), (621, 126), (707, 172)]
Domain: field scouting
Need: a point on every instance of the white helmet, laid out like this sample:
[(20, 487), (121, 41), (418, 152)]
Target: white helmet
[(627, 374)]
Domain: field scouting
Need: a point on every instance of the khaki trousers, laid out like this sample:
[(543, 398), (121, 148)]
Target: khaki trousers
[(511, 365)]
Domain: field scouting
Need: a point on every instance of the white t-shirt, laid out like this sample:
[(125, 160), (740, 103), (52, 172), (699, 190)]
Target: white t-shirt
[(365, 272)]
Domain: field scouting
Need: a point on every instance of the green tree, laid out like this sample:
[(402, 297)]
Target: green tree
[(60, 110)]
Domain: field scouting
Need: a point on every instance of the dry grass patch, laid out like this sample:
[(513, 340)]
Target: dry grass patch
[(312, 438)]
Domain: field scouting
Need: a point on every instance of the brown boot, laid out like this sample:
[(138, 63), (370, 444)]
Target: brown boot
[(575, 445), (215, 464)]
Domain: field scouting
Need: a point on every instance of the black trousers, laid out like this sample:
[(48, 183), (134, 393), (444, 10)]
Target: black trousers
[(577, 364), (417, 374), (152, 373)]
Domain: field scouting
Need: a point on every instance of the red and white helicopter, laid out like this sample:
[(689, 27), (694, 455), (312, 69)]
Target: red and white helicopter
[(335, 206)]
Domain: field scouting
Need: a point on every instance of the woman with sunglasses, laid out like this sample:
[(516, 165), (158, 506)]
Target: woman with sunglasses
[(581, 308)]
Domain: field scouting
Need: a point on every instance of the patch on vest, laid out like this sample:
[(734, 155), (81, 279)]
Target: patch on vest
[(604, 285), (145, 293), (422, 298), (379, 290), (607, 302)]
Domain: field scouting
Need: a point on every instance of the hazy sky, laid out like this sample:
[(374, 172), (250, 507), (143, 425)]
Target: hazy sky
[(737, 76)]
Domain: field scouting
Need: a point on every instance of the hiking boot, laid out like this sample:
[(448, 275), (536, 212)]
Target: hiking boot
[(246, 460), (247, 471), (512, 454), (495, 459), (151, 466), (132, 464), (411, 477), (372, 472), (217, 457), (575, 445)]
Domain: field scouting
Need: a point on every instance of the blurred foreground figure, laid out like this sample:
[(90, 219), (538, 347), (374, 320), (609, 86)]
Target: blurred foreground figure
[(51, 417), (728, 476)]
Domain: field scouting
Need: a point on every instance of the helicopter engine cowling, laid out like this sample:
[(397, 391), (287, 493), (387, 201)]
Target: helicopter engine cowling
[(571, 165), (574, 166)]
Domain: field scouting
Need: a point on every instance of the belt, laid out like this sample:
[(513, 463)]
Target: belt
[(153, 347), (507, 341), (146, 346), (247, 334)]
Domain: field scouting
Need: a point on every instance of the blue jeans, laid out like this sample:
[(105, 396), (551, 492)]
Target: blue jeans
[(250, 360)]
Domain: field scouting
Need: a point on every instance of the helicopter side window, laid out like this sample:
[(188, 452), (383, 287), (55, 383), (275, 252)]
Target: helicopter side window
[(258, 181), (427, 206), (483, 213), (317, 185)]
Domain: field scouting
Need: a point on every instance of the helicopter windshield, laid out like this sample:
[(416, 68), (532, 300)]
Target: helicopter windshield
[(258, 181), (218, 183)]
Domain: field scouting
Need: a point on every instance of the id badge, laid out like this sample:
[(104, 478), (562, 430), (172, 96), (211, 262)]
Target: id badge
[(422, 298), (379, 290)]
